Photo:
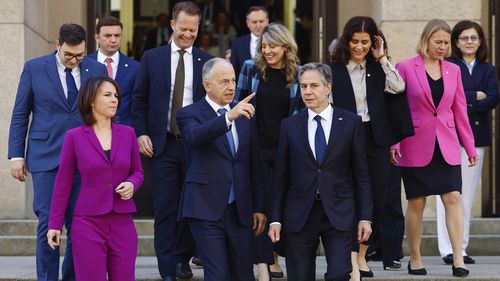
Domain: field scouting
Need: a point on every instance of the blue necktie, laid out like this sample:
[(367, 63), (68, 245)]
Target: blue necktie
[(319, 141), (72, 90), (230, 140)]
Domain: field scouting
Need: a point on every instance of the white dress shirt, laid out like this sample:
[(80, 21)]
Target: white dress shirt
[(114, 65), (394, 84), (312, 125), (229, 124), (253, 45), (188, 77), (62, 75)]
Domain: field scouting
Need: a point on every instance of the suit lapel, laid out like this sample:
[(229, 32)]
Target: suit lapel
[(422, 79), (53, 74), (305, 133), (343, 91), (208, 112), (95, 142), (84, 75), (447, 84), (122, 68), (115, 140), (197, 66), (246, 46), (335, 131)]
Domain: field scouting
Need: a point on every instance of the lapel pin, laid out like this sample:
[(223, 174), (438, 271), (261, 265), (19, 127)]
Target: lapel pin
[(340, 119), (126, 65), (446, 72), (368, 74), (199, 59), (86, 69)]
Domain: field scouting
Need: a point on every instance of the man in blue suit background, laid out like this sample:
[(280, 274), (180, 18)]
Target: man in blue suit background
[(322, 182), (47, 92), (169, 78), (245, 47), (108, 34), (219, 199)]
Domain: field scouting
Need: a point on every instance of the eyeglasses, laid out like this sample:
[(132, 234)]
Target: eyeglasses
[(227, 82), (69, 57), (473, 38)]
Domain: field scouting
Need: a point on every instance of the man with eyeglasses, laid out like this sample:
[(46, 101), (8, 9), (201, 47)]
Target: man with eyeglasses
[(46, 95)]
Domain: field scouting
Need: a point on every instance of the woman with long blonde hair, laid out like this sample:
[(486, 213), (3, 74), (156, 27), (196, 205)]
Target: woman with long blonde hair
[(272, 75)]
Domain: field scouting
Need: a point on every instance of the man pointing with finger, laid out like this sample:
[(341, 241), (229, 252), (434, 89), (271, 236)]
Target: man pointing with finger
[(219, 200)]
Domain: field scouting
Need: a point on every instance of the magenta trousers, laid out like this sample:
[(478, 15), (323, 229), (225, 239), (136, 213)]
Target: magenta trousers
[(104, 246)]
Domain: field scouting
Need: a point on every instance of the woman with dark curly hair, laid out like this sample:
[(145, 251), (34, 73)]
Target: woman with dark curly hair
[(365, 82)]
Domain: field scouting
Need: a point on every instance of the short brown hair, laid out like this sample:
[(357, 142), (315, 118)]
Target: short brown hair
[(187, 7), (107, 21), (256, 9), (87, 95), (430, 28)]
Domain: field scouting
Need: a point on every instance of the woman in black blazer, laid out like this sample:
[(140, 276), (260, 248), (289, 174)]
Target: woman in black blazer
[(366, 83)]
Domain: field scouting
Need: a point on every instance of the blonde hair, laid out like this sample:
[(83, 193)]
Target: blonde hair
[(277, 34), (430, 28)]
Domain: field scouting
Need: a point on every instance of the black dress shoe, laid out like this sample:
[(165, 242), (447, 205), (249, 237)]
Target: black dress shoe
[(169, 278), (448, 259), (197, 261), (279, 274), (367, 274), (459, 271), (392, 265), (469, 260), (420, 271), (183, 271)]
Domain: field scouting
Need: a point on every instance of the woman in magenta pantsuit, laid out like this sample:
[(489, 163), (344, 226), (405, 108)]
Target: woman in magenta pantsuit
[(106, 156)]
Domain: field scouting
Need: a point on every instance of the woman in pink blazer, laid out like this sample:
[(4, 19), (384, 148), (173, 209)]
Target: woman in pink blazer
[(106, 156), (430, 160)]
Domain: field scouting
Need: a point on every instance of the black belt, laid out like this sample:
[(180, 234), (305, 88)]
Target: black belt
[(177, 137)]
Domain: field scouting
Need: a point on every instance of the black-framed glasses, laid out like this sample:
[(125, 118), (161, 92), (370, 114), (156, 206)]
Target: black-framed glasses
[(69, 57), (473, 38)]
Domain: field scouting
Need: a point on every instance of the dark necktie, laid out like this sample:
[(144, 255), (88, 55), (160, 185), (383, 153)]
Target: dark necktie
[(230, 139), (319, 141), (71, 85), (178, 95)]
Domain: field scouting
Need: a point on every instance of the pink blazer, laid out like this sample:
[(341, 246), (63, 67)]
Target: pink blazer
[(431, 123), (82, 152)]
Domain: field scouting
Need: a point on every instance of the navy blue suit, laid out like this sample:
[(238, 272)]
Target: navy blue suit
[(223, 232), (150, 105), (41, 96), (125, 77), (343, 183), (240, 52), (484, 79)]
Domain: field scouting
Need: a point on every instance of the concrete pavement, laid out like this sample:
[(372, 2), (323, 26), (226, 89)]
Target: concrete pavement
[(486, 268)]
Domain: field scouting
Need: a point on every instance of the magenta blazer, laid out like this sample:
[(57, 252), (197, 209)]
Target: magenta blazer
[(431, 123), (82, 152)]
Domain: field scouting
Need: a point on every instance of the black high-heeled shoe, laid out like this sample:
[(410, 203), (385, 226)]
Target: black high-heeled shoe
[(459, 271), (367, 274), (420, 271)]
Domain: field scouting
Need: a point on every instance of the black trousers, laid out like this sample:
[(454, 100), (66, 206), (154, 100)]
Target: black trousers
[(173, 241), (301, 249)]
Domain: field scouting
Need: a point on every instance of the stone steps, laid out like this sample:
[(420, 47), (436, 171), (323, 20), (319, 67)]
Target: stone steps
[(17, 238)]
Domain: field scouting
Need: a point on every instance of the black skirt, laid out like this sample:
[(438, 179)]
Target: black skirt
[(437, 178)]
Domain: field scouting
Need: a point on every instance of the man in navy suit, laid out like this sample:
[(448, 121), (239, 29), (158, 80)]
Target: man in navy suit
[(169, 78), (245, 47), (47, 92), (322, 182), (108, 34), (218, 196)]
